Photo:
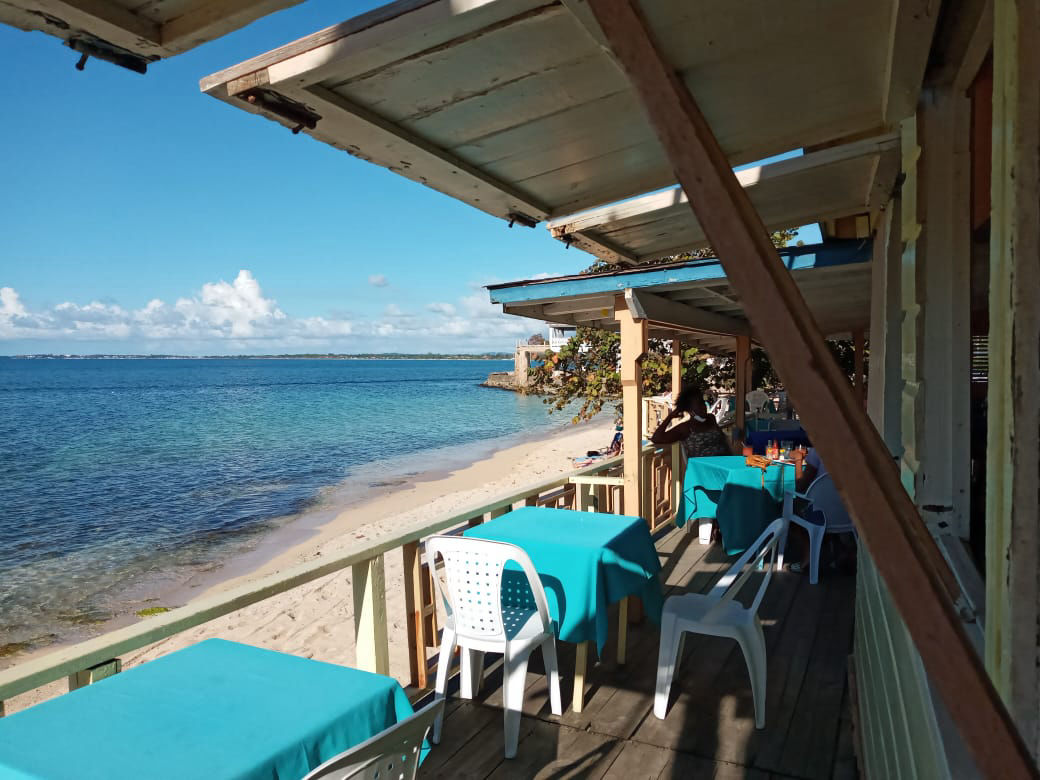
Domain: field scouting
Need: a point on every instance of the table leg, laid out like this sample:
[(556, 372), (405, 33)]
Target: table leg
[(581, 660), (635, 610), (622, 631)]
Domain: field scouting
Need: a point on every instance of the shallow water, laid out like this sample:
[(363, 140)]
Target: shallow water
[(121, 479)]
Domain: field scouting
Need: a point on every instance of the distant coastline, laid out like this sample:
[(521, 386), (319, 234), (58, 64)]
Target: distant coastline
[(328, 356)]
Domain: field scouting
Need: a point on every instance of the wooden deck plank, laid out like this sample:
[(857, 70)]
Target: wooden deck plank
[(709, 732), (787, 666), (638, 761), (736, 739), (556, 751), (461, 728), (623, 713), (684, 766), (812, 739)]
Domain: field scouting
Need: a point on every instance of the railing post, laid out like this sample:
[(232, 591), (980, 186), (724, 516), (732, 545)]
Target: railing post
[(416, 623), (95, 673), (372, 646)]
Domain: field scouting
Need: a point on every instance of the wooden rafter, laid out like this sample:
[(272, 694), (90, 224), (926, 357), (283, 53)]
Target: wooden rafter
[(888, 521)]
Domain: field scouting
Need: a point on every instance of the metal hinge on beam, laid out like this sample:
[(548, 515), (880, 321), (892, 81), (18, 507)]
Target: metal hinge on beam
[(275, 103), (89, 46)]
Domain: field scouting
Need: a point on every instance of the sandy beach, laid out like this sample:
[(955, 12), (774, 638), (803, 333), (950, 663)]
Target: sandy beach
[(316, 620)]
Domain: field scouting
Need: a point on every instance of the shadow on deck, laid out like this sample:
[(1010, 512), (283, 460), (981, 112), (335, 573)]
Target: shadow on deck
[(709, 731)]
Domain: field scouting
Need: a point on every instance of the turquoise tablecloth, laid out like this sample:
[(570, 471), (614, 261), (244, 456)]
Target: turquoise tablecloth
[(586, 561), (725, 488), (213, 710)]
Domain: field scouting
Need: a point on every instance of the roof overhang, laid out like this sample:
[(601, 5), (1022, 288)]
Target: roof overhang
[(853, 178), (132, 33), (518, 108), (694, 301)]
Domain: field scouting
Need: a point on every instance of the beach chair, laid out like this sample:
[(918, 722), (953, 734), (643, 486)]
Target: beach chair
[(478, 622), (392, 753), (718, 614)]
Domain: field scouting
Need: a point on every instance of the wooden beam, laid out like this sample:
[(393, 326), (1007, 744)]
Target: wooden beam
[(913, 25), (667, 313), (859, 377), (633, 350), (742, 359), (209, 19), (889, 525), (1013, 459), (594, 245)]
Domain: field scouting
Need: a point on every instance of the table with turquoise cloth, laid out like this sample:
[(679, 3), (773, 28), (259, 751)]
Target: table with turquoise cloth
[(216, 709), (585, 560), (724, 487)]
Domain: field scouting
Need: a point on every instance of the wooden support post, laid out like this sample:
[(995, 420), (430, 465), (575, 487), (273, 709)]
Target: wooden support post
[(1013, 459), (414, 618), (581, 663), (95, 673), (371, 645), (677, 369), (742, 361), (633, 350), (677, 471), (858, 346), (889, 525)]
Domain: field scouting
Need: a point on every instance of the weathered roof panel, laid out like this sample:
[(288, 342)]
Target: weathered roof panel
[(850, 179), (515, 107), (132, 33), (833, 277)]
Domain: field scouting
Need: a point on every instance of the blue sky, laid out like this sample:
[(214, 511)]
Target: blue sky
[(139, 215)]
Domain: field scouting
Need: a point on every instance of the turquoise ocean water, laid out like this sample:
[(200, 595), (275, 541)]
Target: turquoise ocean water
[(121, 479)]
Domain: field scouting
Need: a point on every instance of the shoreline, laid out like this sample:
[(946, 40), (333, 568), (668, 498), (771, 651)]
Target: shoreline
[(344, 507), (316, 620)]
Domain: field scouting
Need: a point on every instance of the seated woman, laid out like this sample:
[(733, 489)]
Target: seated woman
[(700, 434)]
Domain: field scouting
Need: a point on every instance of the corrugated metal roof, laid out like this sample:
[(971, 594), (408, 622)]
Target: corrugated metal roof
[(515, 107)]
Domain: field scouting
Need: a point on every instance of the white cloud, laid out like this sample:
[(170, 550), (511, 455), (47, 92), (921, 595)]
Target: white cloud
[(236, 317), (378, 280)]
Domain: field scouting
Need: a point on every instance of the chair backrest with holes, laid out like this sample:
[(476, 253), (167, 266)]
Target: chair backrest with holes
[(764, 549), (473, 569), (392, 754), (825, 498)]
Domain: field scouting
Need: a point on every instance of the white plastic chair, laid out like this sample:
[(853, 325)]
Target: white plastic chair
[(478, 622), (822, 497), (392, 754), (718, 614)]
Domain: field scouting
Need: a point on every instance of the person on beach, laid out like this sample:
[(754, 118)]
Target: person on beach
[(700, 435)]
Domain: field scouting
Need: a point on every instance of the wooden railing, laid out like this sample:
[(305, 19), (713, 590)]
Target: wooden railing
[(593, 487)]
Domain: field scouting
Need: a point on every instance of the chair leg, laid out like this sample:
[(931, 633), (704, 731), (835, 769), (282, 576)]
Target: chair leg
[(441, 685), (753, 644), (515, 672), (816, 534), (552, 669), (668, 658), (471, 673)]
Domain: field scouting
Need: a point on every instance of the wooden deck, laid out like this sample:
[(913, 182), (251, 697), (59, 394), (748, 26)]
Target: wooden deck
[(709, 731)]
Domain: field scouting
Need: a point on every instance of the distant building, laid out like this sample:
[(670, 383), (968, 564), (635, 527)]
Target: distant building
[(560, 334)]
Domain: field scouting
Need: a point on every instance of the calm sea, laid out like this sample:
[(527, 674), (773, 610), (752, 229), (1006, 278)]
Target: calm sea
[(119, 478)]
